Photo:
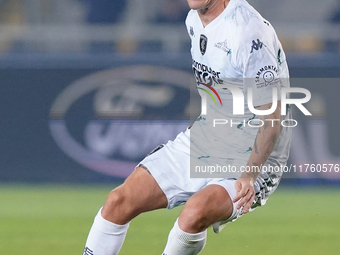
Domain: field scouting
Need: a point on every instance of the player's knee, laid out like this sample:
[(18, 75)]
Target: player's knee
[(115, 198), (193, 220), (116, 208)]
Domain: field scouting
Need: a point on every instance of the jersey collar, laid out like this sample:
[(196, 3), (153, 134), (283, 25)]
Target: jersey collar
[(220, 17)]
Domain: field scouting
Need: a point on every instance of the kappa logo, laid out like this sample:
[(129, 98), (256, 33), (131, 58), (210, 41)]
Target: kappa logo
[(257, 45), (203, 44), (223, 46)]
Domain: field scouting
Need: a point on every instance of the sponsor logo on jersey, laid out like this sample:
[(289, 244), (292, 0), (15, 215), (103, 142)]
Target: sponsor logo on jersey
[(266, 76), (223, 46), (205, 74), (203, 44), (257, 45)]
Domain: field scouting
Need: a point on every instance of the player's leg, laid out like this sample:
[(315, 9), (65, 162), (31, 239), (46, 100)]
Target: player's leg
[(139, 193), (207, 206)]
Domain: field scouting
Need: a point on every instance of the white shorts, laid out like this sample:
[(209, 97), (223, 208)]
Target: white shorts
[(170, 166)]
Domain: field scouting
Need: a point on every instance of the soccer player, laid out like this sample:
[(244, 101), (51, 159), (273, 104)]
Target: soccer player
[(231, 42)]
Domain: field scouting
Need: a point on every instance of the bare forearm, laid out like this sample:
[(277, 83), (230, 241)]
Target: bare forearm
[(264, 144)]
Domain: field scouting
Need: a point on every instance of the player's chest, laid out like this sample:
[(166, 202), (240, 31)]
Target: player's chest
[(212, 53)]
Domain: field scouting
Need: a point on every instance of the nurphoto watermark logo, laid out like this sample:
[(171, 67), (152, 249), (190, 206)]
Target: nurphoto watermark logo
[(239, 99)]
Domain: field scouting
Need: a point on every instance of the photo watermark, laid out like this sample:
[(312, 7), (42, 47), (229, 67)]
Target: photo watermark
[(222, 138)]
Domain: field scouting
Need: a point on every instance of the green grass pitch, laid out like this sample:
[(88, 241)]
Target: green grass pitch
[(55, 220)]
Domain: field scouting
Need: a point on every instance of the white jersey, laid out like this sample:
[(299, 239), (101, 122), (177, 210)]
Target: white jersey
[(240, 48)]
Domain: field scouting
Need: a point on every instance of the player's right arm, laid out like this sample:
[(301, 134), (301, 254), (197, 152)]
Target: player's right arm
[(264, 144), (258, 54)]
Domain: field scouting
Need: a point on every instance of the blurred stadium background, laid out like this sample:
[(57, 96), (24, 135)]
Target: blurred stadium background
[(72, 69)]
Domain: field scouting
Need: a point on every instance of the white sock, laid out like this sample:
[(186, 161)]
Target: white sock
[(182, 243), (105, 237)]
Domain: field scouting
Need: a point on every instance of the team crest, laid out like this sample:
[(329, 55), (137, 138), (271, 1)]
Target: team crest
[(203, 44)]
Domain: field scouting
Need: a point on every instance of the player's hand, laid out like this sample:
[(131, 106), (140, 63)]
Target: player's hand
[(245, 193)]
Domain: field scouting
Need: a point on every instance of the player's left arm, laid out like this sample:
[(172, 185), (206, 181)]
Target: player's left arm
[(264, 144)]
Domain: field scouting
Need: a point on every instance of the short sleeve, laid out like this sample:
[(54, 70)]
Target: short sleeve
[(260, 62)]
